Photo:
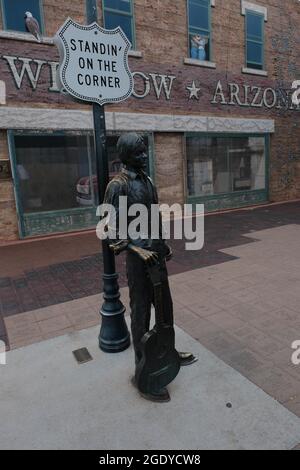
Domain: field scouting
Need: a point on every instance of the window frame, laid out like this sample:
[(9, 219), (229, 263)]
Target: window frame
[(28, 220), (4, 23), (123, 13), (210, 5), (262, 42)]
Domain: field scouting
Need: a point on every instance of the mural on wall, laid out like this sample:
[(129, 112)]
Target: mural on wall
[(191, 89), (161, 86), (198, 47)]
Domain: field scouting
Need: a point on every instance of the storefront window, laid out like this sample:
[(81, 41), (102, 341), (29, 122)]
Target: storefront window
[(56, 182), (51, 170), (14, 11), (221, 165)]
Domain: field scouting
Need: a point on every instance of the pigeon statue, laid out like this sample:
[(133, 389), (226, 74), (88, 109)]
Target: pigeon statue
[(32, 26)]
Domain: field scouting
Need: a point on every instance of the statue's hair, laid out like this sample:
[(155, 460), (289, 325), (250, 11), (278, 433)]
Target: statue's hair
[(128, 144)]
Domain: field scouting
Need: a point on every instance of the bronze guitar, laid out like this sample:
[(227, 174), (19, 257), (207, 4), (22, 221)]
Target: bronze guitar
[(160, 361)]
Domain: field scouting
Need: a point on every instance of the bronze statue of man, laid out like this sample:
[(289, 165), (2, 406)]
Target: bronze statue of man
[(142, 253)]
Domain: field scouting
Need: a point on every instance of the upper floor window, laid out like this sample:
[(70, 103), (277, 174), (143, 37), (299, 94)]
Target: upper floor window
[(199, 18), (120, 13), (13, 13), (255, 40)]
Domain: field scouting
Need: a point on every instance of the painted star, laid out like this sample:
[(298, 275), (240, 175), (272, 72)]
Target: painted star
[(193, 91)]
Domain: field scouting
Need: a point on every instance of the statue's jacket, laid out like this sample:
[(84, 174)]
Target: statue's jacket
[(138, 188)]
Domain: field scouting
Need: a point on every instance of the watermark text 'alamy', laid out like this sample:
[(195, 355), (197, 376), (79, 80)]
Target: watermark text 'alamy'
[(162, 221)]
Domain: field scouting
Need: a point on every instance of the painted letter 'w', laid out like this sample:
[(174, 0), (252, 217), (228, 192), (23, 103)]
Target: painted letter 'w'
[(18, 75), (165, 83)]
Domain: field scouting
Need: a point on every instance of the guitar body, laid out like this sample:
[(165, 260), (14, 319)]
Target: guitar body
[(160, 361)]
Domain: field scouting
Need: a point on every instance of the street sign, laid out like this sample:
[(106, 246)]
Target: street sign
[(94, 68), (94, 62)]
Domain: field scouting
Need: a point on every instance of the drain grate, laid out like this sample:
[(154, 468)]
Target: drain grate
[(82, 355)]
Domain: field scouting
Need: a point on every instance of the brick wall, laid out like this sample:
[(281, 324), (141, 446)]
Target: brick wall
[(161, 31), (169, 167), (161, 36)]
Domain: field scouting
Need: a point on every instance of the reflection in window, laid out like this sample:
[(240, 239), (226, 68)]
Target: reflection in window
[(14, 12), (51, 168), (58, 171), (199, 29), (218, 165), (254, 40), (120, 13)]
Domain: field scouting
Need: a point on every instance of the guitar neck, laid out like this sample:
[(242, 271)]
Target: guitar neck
[(158, 304)]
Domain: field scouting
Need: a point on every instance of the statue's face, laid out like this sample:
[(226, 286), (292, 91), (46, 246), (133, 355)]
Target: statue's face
[(138, 159)]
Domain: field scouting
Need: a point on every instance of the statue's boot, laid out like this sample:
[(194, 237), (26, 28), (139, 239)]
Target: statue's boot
[(187, 359), (162, 396)]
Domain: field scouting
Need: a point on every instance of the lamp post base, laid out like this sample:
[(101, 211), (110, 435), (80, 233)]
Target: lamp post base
[(114, 336)]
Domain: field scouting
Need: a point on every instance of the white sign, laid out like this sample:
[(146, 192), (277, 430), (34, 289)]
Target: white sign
[(94, 62)]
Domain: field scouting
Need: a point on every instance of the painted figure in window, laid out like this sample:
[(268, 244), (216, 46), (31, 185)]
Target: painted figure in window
[(198, 44)]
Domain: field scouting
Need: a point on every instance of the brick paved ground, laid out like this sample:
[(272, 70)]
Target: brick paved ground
[(48, 272), (243, 305), (247, 311)]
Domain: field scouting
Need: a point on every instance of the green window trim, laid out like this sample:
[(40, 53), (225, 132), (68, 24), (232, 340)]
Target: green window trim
[(41, 22), (129, 14), (255, 39), (200, 30)]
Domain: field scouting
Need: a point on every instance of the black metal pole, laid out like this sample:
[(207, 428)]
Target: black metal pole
[(114, 335)]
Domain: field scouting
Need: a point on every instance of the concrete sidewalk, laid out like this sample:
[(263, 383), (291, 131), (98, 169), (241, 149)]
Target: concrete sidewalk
[(245, 311), (47, 401)]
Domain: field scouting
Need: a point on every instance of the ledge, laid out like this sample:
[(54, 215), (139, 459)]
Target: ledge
[(200, 63), (27, 37), (136, 54), (67, 119), (16, 36), (261, 73)]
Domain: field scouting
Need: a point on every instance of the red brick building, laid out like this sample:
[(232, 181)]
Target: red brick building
[(213, 97)]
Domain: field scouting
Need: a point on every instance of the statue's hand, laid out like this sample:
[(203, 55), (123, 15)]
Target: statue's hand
[(169, 255), (150, 258), (117, 248)]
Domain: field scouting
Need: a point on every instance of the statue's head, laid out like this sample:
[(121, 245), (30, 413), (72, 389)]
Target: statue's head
[(132, 150)]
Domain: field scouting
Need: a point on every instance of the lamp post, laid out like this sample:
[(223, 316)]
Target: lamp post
[(114, 335)]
